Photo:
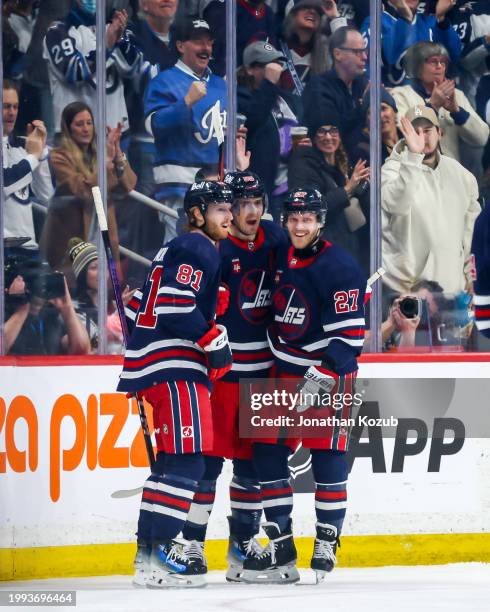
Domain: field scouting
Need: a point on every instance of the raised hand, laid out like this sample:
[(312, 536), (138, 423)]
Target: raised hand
[(443, 7), (402, 9), (116, 28), (415, 141), (36, 138), (242, 155), (330, 9), (359, 173), (273, 72), (196, 91)]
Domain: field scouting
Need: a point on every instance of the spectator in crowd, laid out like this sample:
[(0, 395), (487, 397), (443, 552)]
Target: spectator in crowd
[(426, 317), (37, 326), (256, 22), (358, 145), (471, 20), (429, 205), (18, 22), (28, 22), (402, 26), (74, 163), (304, 44), (26, 174), (84, 260), (353, 11), (427, 64), (270, 112), (140, 228), (325, 166), (335, 96), (70, 50), (183, 107)]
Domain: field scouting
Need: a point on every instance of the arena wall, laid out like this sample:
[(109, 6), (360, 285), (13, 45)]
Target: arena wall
[(68, 441)]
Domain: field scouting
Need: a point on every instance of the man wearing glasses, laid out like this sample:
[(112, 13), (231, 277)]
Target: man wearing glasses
[(334, 97)]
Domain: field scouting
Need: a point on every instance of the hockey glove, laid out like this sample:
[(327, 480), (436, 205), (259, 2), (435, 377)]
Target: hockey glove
[(317, 384), (218, 352), (223, 300)]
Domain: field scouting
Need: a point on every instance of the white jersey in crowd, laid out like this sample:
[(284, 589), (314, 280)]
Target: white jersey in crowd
[(71, 51), (24, 178)]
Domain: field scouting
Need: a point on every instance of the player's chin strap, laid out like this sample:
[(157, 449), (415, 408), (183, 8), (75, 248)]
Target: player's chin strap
[(312, 249)]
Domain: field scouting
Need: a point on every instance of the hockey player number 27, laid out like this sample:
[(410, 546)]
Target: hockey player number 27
[(346, 301), (147, 317)]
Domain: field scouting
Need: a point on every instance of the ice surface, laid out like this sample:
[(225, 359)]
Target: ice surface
[(449, 588)]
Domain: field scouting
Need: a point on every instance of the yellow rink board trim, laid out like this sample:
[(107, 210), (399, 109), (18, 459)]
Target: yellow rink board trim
[(356, 551)]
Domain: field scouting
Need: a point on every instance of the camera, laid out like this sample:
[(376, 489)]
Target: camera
[(410, 307), (40, 280)]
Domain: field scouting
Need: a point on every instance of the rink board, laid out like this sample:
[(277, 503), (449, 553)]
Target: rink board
[(67, 441)]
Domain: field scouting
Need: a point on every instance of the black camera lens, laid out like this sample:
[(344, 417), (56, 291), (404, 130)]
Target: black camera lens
[(409, 307)]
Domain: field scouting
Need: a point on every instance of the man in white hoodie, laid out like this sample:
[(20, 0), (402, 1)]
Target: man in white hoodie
[(429, 206)]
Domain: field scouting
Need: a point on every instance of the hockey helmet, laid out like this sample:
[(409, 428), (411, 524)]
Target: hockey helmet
[(204, 193), (301, 200), (245, 185)]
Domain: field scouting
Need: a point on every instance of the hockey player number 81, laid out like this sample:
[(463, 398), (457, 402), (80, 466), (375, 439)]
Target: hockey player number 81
[(186, 275), (346, 301), (147, 317)]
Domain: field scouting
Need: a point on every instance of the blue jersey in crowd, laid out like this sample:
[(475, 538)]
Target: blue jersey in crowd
[(174, 310), (399, 34), (318, 308), (247, 269), (481, 252), (185, 138)]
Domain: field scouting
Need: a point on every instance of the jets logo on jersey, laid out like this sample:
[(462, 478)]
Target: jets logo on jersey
[(187, 432), (254, 296), (292, 314), (208, 126)]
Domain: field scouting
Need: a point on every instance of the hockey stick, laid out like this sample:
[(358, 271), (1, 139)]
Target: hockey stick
[(99, 209)]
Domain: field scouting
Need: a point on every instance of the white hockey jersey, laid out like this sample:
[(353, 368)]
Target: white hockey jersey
[(70, 50), (24, 178)]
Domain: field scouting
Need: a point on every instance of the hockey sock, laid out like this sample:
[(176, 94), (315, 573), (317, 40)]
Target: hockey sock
[(330, 471), (202, 504), (171, 496), (144, 521), (245, 500), (271, 463)]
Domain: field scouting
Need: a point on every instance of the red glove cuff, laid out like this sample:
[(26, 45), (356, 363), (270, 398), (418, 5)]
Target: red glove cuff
[(212, 333)]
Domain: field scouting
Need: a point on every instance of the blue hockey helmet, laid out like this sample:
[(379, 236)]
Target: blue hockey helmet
[(304, 199)]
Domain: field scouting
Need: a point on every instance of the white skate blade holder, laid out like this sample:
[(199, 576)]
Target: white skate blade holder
[(234, 573), (167, 580), (286, 574)]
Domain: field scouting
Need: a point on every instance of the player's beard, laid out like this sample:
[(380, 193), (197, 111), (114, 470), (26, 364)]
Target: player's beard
[(214, 231), (244, 231)]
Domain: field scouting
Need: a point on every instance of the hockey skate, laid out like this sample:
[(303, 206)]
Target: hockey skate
[(277, 562), (194, 549), (324, 558), (141, 565), (170, 567), (240, 549)]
